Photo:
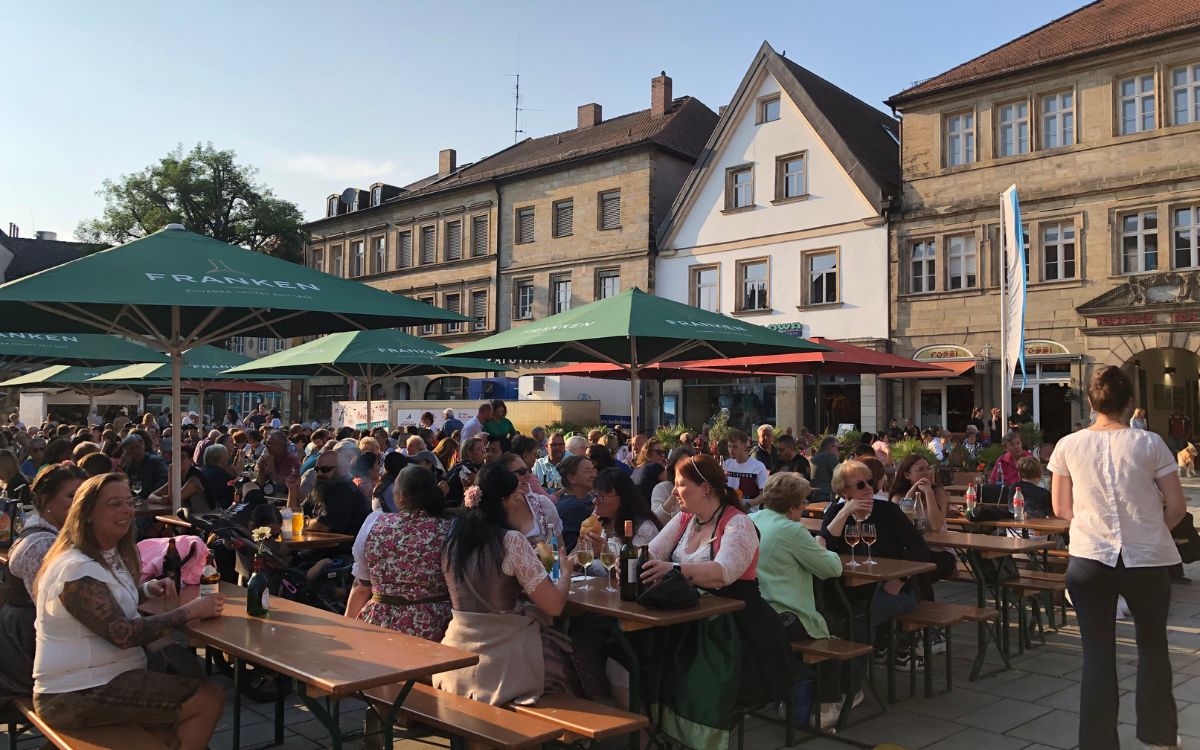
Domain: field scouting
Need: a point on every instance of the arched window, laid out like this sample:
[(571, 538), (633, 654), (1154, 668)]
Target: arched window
[(400, 392), (450, 388)]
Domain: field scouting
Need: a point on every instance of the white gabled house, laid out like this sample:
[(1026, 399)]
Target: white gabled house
[(783, 222)]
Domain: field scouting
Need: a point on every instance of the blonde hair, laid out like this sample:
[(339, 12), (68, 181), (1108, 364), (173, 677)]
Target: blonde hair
[(784, 491), (1029, 468), (843, 472), (368, 444), (77, 533)]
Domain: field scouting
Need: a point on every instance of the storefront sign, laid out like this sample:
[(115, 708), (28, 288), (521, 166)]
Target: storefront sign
[(948, 351), (1185, 317), (1042, 347), (791, 329), (1135, 319)]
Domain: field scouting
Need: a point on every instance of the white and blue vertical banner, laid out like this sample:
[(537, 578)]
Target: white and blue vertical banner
[(1014, 270)]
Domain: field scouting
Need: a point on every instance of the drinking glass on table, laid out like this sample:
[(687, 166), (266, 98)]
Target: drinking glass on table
[(851, 534), (135, 486), (584, 555), (608, 558), (867, 534)]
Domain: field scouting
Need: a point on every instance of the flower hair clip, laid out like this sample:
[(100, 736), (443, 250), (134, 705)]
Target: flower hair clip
[(471, 497)]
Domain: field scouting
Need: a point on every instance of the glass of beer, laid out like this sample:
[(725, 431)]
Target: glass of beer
[(297, 524)]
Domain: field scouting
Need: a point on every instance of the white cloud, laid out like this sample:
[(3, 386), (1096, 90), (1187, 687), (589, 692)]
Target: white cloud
[(332, 166)]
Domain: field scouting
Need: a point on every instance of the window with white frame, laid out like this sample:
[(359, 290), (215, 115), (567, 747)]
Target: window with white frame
[(237, 345), (610, 209), (1058, 251), (523, 299), (706, 292), (1012, 128), (427, 329), (959, 140), (332, 207), (1139, 242), (560, 294), (739, 187), (1135, 103), (376, 195), (479, 308), (479, 236), (564, 218), (280, 344), (335, 261), (754, 282), (791, 176), (404, 258), (922, 267), (822, 271), (379, 255), (452, 303), (768, 110), (608, 283), (1185, 234), (1058, 119), (1185, 94), (262, 344), (358, 258), (453, 249), (318, 259), (962, 262), (428, 249), (525, 224)]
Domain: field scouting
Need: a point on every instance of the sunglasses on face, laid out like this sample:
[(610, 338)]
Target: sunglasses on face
[(521, 471), (861, 484), (323, 469)]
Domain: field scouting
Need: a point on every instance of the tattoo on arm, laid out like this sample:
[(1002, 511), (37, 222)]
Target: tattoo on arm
[(91, 602)]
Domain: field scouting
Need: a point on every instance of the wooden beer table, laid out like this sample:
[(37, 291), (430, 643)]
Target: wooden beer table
[(316, 540), (1036, 525), (320, 650), (144, 509)]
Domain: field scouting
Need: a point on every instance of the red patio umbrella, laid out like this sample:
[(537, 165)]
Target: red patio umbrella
[(659, 372)]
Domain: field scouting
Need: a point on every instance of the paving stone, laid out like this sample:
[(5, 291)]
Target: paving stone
[(1057, 729), (976, 739), (1031, 687), (904, 729), (1003, 715), (949, 705)]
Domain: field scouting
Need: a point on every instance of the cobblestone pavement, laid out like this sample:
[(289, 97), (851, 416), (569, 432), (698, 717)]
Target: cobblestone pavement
[(1033, 706)]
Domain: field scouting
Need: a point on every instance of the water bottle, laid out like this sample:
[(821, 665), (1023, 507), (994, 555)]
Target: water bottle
[(1018, 503), (18, 524), (555, 571)]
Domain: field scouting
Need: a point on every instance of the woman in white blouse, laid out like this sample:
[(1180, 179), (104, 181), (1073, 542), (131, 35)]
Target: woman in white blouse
[(1120, 489), (90, 666)]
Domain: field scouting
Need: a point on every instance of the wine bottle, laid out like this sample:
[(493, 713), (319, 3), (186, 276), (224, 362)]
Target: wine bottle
[(629, 566), (172, 568), (210, 578), (258, 599), (642, 559)]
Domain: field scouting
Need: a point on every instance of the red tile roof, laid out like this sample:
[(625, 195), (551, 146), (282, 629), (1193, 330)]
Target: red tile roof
[(1098, 26)]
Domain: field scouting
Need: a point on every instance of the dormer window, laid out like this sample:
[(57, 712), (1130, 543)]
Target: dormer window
[(333, 204), (376, 195)]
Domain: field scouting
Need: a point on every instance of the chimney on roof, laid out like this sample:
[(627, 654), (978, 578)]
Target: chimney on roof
[(660, 94), (42, 234), (721, 109), (589, 115), (447, 161), (13, 230)]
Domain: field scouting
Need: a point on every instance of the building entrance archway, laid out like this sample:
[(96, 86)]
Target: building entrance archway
[(1166, 382)]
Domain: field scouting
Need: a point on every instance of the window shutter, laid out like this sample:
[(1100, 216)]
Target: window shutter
[(479, 236), (610, 210), (405, 255), (453, 240), (454, 305), (564, 218), (525, 225), (479, 310), (428, 252)]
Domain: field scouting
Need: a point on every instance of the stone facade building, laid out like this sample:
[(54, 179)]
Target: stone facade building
[(537, 228), (1095, 117)]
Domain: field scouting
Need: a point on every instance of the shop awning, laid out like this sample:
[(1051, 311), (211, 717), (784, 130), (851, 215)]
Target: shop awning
[(956, 370), (839, 358)]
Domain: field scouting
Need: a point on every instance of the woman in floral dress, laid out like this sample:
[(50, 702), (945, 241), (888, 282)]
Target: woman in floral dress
[(403, 552)]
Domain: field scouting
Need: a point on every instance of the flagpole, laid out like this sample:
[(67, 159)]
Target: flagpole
[(1005, 391)]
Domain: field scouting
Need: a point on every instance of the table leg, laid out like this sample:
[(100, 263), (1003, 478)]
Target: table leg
[(281, 684), (389, 720), (238, 669), (635, 680), (327, 720)]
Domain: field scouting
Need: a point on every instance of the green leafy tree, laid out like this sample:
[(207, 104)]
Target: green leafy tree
[(208, 192)]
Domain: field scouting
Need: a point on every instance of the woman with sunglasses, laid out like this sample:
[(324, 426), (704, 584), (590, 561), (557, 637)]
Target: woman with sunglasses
[(534, 517), (896, 538)]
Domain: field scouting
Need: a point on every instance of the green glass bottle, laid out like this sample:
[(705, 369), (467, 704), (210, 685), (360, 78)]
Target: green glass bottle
[(258, 599)]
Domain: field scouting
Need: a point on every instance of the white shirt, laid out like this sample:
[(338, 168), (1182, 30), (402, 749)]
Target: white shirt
[(935, 444), (69, 655), (750, 477), (359, 548), (663, 502), (739, 544), (1116, 506), (472, 428)]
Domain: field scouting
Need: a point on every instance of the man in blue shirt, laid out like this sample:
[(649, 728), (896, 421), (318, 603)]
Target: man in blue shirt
[(451, 424)]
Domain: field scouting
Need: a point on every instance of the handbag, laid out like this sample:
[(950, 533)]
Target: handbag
[(672, 591)]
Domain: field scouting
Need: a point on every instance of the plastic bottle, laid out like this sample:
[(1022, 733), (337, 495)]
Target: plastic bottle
[(971, 500), (286, 527), (555, 571), (1018, 503)]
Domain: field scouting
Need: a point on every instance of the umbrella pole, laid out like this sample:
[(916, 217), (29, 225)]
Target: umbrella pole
[(368, 384), (176, 353), (633, 387)]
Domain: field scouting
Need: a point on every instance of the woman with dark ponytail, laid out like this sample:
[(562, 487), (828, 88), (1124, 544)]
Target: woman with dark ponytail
[(488, 565), (397, 566), (714, 545)]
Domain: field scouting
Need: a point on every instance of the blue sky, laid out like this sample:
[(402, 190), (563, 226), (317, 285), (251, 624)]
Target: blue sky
[(321, 96)]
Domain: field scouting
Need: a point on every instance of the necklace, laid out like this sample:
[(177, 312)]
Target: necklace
[(700, 524)]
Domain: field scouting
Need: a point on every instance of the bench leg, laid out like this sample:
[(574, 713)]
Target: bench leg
[(281, 684), (912, 664), (238, 670), (1022, 626), (635, 682), (928, 667), (949, 660), (789, 708), (891, 663), (331, 724)]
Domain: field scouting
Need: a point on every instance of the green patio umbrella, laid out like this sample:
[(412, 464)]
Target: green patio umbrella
[(634, 330), (176, 290), (366, 356), (87, 349), (75, 378), (203, 368)]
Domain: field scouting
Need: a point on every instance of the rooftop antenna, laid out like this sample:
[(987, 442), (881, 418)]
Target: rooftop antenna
[(517, 108)]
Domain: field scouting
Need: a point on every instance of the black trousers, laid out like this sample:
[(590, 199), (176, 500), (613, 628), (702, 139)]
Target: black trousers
[(831, 671), (1094, 588)]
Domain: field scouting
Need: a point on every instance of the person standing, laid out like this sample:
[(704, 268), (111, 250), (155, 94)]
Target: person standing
[(1120, 489), (823, 464), (994, 425), (977, 419), (1138, 420), (1179, 429), (475, 424), (452, 423)]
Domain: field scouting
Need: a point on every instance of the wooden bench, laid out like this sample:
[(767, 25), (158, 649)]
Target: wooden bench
[(115, 737), (815, 652), (582, 719), (929, 615), (1032, 585), (467, 721)]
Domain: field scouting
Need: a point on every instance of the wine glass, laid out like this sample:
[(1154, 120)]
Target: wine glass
[(867, 534), (608, 558), (851, 535), (135, 486), (584, 555)]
